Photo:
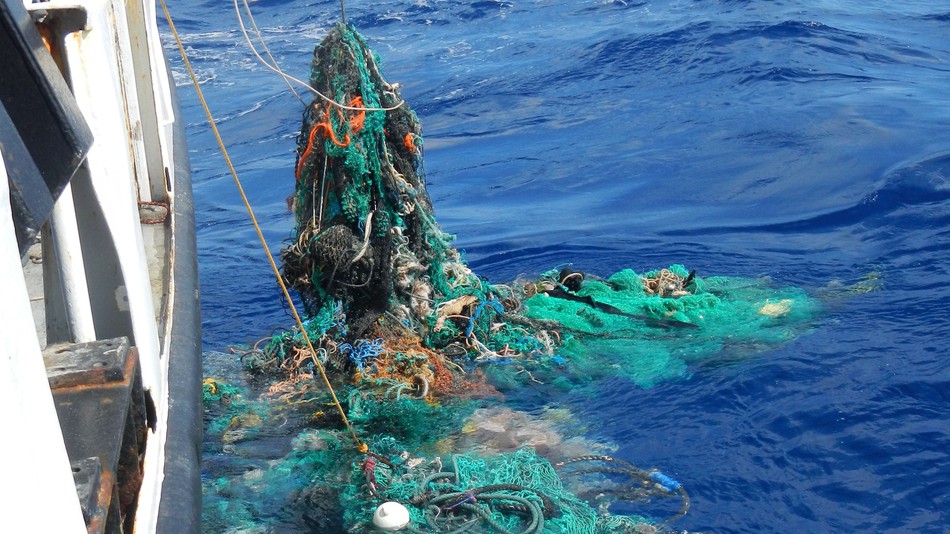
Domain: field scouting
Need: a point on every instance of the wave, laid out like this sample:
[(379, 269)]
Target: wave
[(916, 185)]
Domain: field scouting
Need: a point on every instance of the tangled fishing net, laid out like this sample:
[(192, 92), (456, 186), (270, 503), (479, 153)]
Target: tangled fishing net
[(416, 341), (391, 300)]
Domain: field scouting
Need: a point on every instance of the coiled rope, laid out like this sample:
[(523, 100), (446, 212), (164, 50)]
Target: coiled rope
[(643, 483), (456, 511)]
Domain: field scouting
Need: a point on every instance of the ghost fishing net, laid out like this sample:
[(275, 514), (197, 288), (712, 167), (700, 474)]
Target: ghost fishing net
[(507, 487), (417, 342), (392, 301)]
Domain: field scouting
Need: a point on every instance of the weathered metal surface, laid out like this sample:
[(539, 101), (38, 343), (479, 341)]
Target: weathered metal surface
[(86, 364), (97, 390), (42, 117), (88, 476)]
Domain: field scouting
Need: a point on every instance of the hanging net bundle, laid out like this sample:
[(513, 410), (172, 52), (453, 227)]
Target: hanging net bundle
[(417, 341), (392, 301)]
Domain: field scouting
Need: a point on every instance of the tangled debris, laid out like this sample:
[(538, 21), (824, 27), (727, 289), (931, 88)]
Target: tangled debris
[(419, 345)]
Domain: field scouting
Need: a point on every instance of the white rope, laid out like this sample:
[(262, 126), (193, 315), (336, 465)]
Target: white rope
[(366, 232), (260, 37), (287, 77)]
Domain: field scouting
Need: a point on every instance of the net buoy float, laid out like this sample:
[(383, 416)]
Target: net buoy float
[(391, 516)]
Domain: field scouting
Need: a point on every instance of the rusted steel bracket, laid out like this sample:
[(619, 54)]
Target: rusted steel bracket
[(97, 389)]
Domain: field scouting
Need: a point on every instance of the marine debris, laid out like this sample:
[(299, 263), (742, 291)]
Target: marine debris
[(423, 350)]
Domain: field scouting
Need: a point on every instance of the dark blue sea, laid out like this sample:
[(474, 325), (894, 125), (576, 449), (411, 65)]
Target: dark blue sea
[(806, 142)]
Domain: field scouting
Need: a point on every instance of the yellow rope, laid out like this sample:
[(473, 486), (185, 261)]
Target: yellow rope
[(362, 447)]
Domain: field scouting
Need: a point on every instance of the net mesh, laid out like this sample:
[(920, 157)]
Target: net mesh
[(419, 344)]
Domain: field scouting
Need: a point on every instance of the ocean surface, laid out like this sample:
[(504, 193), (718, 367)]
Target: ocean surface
[(806, 142)]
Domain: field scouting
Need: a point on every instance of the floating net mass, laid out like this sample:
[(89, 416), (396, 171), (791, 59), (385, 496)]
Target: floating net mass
[(420, 345)]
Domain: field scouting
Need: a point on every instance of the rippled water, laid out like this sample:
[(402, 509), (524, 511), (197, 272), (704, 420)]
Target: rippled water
[(806, 142)]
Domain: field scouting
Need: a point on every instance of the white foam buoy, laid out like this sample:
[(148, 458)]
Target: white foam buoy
[(391, 516)]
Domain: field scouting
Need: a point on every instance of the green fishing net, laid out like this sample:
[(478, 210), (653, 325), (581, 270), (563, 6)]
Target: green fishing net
[(652, 327), (501, 487), (392, 302), (421, 347)]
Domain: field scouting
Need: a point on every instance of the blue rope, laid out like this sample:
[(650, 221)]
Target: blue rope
[(478, 311), (341, 322), (363, 352), (665, 482)]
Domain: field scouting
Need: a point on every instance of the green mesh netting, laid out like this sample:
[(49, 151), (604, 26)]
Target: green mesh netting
[(320, 483), (649, 334), (419, 345), (394, 304), (509, 492)]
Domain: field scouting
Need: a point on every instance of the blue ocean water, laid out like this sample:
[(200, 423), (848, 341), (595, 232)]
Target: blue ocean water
[(808, 142)]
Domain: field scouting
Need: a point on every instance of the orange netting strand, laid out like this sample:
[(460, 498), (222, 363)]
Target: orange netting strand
[(355, 123), (402, 360), (327, 127), (406, 359), (306, 153)]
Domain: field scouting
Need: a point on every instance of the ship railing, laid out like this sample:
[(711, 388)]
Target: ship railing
[(101, 277)]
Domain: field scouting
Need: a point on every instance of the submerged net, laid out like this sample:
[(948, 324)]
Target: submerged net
[(420, 344), (319, 483)]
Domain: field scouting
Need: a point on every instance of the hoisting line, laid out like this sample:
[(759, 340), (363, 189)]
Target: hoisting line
[(362, 447), (274, 67)]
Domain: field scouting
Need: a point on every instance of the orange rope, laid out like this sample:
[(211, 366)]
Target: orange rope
[(328, 127), (355, 123), (306, 153), (410, 143)]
